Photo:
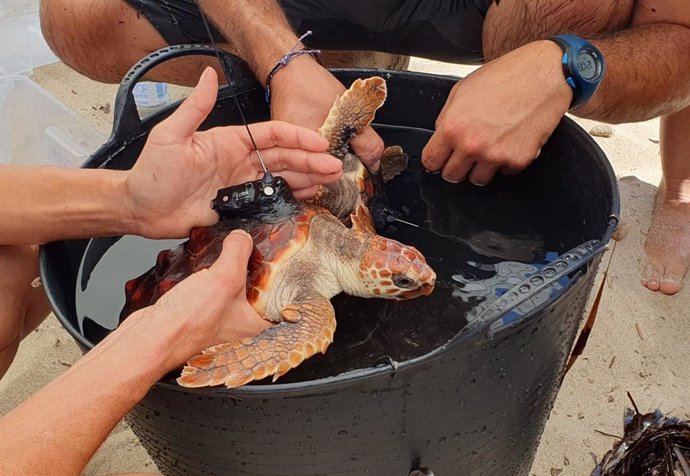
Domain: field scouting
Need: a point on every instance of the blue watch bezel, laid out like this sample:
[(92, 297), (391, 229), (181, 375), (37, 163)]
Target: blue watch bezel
[(583, 88)]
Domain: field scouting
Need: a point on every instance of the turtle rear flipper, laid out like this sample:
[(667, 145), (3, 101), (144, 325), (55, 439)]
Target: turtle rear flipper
[(393, 162), (307, 328)]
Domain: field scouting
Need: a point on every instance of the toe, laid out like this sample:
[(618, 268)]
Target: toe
[(652, 276), (670, 285), (672, 279)]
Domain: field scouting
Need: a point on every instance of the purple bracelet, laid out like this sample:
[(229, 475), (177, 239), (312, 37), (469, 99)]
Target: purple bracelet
[(285, 60)]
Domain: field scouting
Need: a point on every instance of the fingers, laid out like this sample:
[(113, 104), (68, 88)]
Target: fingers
[(281, 134), (457, 168), (231, 266), (369, 146), (184, 122), (231, 270), (482, 173), (305, 193), (296, 160), (301, 169), (436, 153), (459, 160), (299, 181)]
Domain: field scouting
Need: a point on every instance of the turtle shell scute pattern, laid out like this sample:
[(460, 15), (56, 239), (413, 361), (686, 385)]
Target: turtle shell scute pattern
[(273, 244)]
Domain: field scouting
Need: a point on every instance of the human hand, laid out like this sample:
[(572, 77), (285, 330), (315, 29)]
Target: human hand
[(500, 116), (207, 308), (180, 170), (303, 93)]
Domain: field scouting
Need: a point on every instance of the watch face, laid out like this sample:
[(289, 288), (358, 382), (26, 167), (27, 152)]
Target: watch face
[(588, 65)]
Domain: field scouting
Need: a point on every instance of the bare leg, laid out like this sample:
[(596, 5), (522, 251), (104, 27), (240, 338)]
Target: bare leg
[(668, 239), (102, 39), (22, 307), (363, 59)]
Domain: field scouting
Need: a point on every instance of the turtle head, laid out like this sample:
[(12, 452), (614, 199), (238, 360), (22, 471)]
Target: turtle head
[(387, 268), (391, 270)]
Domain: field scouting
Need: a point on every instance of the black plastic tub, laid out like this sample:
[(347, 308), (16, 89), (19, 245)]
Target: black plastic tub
[(461, 382)]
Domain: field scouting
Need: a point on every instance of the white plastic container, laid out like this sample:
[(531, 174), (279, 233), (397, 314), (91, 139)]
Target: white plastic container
[(22, 46), (14, 57), (150, 97), (36, 129)]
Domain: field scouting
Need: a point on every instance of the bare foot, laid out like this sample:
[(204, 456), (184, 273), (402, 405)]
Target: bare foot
[(668, 243)]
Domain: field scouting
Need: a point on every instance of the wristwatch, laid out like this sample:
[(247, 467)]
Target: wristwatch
[(583, 67)]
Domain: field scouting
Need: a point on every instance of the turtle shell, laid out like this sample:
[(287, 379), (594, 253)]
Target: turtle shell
[(274, 243)]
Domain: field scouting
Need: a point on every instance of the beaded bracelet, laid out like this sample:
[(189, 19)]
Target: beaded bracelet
[(284, 60)]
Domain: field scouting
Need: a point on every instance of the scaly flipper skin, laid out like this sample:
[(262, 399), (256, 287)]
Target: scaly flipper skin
[(393, 162), (353, 111), (307, 328)]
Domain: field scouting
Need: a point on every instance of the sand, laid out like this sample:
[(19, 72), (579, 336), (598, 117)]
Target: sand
[(639, 343)]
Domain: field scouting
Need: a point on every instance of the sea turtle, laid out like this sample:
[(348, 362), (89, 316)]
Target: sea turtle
[(303, 255), (353, 111)]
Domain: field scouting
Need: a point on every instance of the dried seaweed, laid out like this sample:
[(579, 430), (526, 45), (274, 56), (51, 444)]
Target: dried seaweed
[(653, 444)]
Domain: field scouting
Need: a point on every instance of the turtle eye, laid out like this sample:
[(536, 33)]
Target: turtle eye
[(402, 281)]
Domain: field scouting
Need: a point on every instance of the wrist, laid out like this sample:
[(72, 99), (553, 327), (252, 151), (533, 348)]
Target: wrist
[(125, 211), (295, 71), (549, 54), (583, 67), (267, 59), (151, 341), (94, 206), (283, 62)]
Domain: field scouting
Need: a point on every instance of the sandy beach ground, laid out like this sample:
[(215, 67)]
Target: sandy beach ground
[(639, 343)]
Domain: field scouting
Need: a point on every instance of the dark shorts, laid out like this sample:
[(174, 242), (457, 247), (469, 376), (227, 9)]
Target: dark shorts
[(445, 30)]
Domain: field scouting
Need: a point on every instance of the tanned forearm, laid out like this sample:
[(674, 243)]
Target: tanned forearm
[(257, 29), (648, 74), (41, 204), (57, 430), (647, 51)]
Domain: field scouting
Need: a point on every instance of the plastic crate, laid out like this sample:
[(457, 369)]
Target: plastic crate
[(36, 129), (23, 45)]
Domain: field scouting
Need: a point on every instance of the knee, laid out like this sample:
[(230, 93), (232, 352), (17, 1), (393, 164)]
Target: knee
[(82, 37)]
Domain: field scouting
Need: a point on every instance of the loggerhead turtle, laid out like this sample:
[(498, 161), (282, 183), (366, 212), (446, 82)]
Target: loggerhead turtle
[(303, 255)]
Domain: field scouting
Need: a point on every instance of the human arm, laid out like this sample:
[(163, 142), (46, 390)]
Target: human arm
[(648, 71), (648, 65), (169, 189), (302, 92), (647, 49), (62, 425)]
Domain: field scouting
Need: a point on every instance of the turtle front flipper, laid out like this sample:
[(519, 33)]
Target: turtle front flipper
[(307, 328), (353, 111)]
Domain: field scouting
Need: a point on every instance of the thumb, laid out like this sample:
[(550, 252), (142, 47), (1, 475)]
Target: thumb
[(231, 265), (193, 111)]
